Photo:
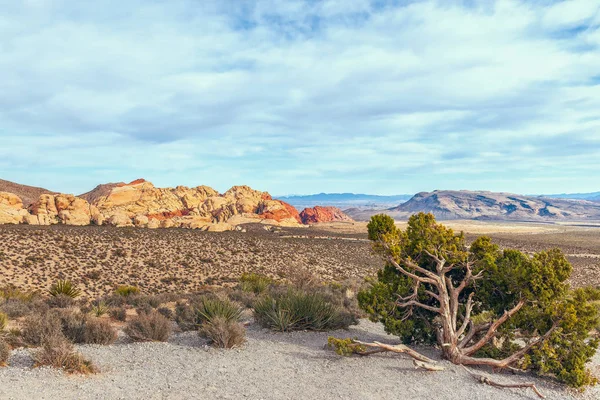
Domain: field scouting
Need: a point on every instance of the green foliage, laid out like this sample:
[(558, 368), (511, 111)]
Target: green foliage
[(507, 278), (209, 309), (298, 310), (345, 347), (65, 288), (381, 225), (127, 290), (255, 283)]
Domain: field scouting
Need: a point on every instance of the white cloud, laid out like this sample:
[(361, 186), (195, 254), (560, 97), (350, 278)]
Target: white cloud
[(301, 96)]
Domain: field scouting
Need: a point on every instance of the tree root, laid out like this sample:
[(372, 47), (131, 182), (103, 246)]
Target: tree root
[(488, 381)]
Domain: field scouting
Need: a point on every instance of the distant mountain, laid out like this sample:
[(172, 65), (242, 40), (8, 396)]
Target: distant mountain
[(449, 204), (594, 196), (344, 200), (28, 194)]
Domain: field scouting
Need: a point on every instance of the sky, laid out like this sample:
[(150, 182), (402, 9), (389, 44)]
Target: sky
[(302, 96)]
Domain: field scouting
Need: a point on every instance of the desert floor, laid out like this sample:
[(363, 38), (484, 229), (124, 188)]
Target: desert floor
[(268, 366)]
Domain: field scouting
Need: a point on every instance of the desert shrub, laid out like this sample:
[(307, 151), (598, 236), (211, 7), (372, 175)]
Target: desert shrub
[(13, 293), (57, 352), (223, 333), (166, 312), (185, 316), (64, 287), (73, 325), (151, 327), (118, 313), (247, 299), (254, 283), (3, 321), (295, 309), (4, 352), (39, 327), (15, 308), (98, 331), (209, 309), (127, 290), (61, 300), (144, 309), (435, 289)]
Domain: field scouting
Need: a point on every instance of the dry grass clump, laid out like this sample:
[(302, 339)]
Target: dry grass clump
[(3, 321), (149, 327), (99, 331), (219, 322), (57, 352), (37, 328), (4, 353), (118, 313), (254, 283), (223, 333)]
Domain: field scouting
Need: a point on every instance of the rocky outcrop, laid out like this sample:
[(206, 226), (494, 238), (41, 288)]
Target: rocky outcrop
[(62, 208), (140, 203), (11, 209), (28, 194), (319, 214)]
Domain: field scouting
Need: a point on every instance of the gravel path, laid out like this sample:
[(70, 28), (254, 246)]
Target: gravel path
[(269, 366)]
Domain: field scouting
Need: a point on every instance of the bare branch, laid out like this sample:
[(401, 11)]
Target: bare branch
[(421, 279), (417, 304), (467, 318), (488, 381), (439, 261), (400, 348), (473, 330), (430, 293), (493, 328)]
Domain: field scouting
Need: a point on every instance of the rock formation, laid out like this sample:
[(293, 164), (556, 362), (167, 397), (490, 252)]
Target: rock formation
[(11, 209), (62, 208), (323, 214)]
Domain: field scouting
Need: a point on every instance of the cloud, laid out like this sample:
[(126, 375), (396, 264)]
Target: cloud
[(302, 96)]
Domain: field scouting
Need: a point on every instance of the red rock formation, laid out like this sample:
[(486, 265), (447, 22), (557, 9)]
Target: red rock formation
[(323, 214), (287, 212)]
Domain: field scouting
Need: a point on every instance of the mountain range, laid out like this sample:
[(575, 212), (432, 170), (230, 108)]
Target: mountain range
[(344, 200), (481, 205)]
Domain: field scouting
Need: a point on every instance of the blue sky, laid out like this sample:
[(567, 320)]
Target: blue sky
[(302, 96)]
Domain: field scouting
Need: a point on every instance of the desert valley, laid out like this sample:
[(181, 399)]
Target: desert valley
[(173, 247)]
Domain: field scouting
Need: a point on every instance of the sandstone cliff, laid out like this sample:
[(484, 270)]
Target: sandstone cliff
[(323, 214), (28, 194)]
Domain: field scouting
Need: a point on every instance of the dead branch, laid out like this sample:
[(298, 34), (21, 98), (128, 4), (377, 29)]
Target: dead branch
[(420, 360), (485, 380)]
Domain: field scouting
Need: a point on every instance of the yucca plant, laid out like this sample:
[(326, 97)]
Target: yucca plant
[(209, 309), (64, 287), (99, 309), (254, 283), (298, 310)]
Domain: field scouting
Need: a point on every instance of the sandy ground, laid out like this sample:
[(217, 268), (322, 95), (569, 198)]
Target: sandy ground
[(269, 366)]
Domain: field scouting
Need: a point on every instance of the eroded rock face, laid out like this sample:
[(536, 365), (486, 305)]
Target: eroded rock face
[(141, 204), (195, 208), (11, 209), (62, 208), (323, 214)]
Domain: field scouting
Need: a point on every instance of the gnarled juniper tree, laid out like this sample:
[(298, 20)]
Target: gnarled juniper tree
[(481, 305)]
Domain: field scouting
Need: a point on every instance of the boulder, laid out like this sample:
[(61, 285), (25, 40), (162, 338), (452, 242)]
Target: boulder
[(11, 209)]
